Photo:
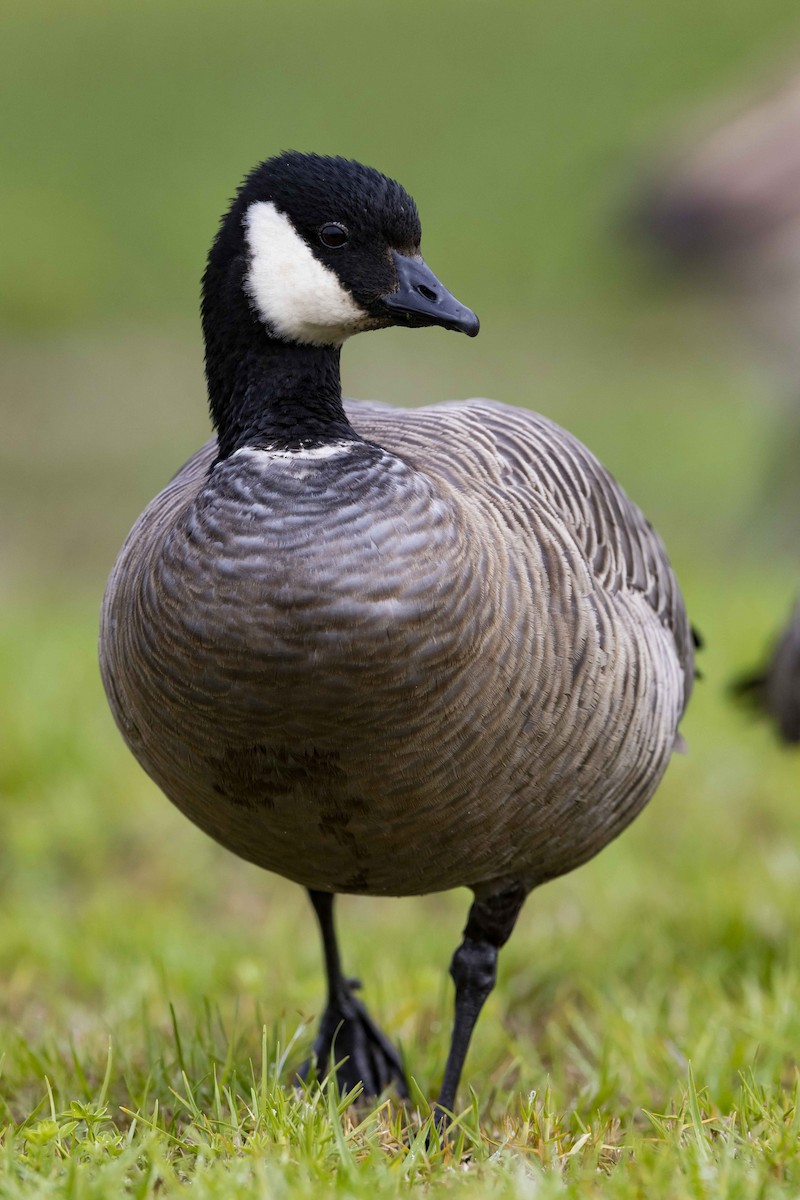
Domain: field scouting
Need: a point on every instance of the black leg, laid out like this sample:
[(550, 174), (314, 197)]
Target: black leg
[(474, 970), (347, 1034)]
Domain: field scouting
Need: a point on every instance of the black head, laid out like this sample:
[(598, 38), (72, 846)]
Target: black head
[(316, 249)]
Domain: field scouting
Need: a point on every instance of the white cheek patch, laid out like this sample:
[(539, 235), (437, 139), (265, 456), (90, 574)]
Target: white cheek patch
[(299, 298)]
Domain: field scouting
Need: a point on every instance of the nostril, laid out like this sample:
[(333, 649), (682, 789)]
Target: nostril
[(427, 292)]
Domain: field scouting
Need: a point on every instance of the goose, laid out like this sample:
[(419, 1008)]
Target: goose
[(725, 211), (385, 651), (775, 688), (721, 209)]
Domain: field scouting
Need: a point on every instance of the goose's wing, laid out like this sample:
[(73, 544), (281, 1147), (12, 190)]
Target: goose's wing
[(504, 449)]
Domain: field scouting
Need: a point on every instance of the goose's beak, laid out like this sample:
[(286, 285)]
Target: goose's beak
[(421, 299)]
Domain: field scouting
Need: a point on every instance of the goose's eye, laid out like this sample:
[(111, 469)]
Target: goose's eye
[(333, 235)]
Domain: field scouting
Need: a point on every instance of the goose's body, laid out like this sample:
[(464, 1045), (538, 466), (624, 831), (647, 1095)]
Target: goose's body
[(776, 687), (450, 654), (377, 650)]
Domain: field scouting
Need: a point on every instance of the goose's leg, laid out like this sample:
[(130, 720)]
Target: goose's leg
[(346, 1031), (474, 971)]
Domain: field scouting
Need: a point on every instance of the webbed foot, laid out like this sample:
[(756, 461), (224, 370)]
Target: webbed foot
[(349, 1037)]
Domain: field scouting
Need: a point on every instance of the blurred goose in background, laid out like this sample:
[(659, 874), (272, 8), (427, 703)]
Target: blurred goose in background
[(725, 206), (726, 209), (776, 687), (385, 651)]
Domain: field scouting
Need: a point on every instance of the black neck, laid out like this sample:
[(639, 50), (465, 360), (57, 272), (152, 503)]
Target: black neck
[(266, 393)]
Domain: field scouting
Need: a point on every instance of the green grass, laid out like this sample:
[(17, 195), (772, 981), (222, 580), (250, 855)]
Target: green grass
[(157, 994)]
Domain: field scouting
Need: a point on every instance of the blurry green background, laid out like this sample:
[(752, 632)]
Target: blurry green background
[(522, 129)]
